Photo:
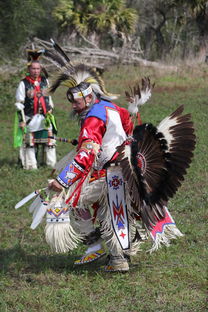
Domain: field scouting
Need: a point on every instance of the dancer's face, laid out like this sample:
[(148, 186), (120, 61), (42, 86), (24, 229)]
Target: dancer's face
[(79, 105), (35, 70)]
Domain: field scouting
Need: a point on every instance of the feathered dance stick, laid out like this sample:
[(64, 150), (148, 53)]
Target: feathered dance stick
[(28, 198)]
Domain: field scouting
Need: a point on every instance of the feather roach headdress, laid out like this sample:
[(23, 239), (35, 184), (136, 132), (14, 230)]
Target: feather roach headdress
[(35, 55), (72, 76)]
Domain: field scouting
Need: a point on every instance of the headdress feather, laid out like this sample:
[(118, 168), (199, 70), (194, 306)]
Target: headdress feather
[(71, 75), (34, 55)]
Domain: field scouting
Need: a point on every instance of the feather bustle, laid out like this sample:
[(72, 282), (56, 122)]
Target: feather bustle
[(165, 153)]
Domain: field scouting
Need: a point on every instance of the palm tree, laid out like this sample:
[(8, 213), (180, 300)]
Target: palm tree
[(96, 20)]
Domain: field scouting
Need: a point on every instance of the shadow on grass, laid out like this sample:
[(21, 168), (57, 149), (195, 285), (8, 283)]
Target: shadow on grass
[(16, 260), (10, 162)]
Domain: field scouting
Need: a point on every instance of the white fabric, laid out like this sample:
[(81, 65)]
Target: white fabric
[(117, 205), (92, 193), (50, 156), (20, 92), (114, 136), (80, 94), (27, 157), (19, 106), (36, 123)]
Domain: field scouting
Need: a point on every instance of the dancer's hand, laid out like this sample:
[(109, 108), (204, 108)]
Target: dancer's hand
[(55, 186), (22, 125)]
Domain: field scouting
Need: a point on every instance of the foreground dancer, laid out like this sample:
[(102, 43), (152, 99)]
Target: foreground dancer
[(36, 121), (128, 177)]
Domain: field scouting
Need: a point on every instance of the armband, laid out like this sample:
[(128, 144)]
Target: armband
[(90, 146), (70, 174)]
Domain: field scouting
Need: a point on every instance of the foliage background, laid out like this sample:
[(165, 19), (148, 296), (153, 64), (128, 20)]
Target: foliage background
[(168, 30)]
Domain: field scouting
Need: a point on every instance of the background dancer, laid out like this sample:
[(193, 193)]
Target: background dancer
[(36, 120)]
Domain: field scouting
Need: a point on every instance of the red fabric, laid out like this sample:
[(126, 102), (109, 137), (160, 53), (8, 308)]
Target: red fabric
[(76, 193), (139, 119), (38, 100), (88, 133), (160, 225), (84, 157), (97, 174), (75, 174), (93, 129)]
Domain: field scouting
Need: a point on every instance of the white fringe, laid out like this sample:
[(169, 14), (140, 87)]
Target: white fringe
[(64, 236), (170, 232), (84, 227), (136, 245), (61, 237), (133, 226)]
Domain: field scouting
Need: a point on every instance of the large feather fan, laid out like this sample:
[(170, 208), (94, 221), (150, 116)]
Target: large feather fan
[(155, 162)]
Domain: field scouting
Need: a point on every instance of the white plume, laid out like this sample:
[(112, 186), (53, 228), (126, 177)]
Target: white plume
[(139, 95)]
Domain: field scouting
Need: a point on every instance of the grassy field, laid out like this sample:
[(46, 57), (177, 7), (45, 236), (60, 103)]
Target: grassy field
[(172, 279)]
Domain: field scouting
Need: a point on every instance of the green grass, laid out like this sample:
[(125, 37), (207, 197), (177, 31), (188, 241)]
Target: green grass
[(172, 279)]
